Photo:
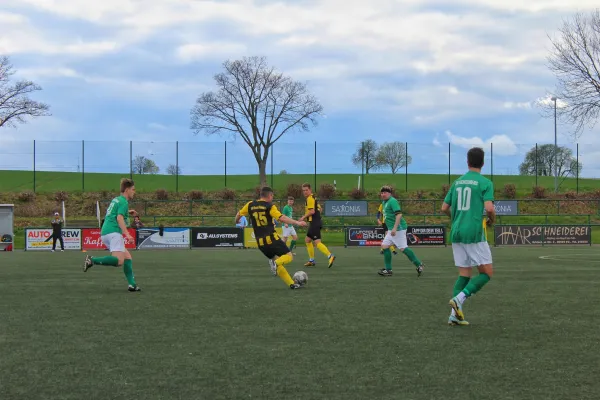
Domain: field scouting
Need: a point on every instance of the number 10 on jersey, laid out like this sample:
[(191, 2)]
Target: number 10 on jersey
[(463, 197)]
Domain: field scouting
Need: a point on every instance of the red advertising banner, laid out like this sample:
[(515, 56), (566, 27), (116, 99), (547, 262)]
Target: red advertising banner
[(90, 239)]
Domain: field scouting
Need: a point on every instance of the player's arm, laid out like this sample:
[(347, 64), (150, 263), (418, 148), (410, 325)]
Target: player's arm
[(488, 204), (242, 213), (310, 205), (448, 203), (276, 215), (398, 214), (122, 212)]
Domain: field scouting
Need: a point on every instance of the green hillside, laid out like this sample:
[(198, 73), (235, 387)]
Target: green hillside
[(16, 181)]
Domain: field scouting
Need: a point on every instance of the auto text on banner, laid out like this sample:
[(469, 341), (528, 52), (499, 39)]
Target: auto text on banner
[(35, 239)]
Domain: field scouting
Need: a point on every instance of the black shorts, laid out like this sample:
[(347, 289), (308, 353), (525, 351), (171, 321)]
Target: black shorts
[(277, 248), (314, 231)]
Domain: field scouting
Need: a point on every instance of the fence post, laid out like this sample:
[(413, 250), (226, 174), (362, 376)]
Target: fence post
[(177, 166), (83, 165), (577, 178), (406, 166), (34, 166), (315, 166), (362, 165), (130, 159), (449, 152), (272, 150), (492, 159), (226, 163), (536, 164)]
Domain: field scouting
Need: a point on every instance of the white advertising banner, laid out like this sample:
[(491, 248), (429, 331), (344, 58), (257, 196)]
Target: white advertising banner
[(41, 239)]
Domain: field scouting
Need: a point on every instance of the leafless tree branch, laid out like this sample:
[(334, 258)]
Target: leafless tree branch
[(15, 104), (258, 104), (575, 61)]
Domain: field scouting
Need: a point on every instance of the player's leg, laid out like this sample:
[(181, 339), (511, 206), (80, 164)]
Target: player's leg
[(321, 246), (310, 249), (387, 255), (464, 264), (62, 243), (294, 239), (279, 251), (116, 245), (482, 257), (393, 247), (128, 271), (402, 244), (54, 239)]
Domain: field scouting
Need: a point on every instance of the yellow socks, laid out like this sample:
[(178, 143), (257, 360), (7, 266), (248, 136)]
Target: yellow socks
[(281, 271), (311, 251), (323, 249)]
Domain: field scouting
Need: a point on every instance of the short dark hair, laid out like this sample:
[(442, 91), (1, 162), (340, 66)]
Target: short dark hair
[(475, 157), (386, 188), (306, 185), (126, 183), (291, 198), (265, 191)]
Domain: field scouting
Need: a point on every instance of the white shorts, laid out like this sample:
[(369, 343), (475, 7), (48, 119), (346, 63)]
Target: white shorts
[(289, 231), (114, 242), (399, 240), (471, 254)]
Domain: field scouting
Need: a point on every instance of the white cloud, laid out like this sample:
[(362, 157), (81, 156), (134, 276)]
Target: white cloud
[(216, 50), (464, 62), (503, 145), (547, 101), (525, 105)]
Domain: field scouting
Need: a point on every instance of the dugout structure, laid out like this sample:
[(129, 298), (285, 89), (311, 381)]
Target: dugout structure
[(7, 226)]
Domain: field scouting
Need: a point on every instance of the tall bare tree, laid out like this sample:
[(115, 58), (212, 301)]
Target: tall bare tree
[(393, 155), (575, 61), (15, 104), (258, 104), (366, 154)]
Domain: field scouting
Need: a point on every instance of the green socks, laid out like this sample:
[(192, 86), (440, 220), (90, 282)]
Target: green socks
[(108, 260), (387, 257), (128, 270), (476, 284), (460, 284), (412, 257), (292, 245)]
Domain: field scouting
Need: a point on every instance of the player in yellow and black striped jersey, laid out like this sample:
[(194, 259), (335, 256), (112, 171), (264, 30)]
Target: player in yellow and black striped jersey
[(263, 214), (313, 236)]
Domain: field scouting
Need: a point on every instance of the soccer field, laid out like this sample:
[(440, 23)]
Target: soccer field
[(216, 325)]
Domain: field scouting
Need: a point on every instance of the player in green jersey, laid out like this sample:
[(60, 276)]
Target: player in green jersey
[(396, 234), (289, 230), (114, 227), (465, 203)]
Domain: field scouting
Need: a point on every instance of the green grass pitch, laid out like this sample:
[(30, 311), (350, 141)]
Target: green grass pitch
[(215, 324), (14, 181)]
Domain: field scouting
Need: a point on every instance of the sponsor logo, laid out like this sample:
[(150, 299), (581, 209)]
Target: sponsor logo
[(204, 236)]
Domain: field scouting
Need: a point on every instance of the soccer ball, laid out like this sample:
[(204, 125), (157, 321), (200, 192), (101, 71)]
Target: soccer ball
[(300, 278)]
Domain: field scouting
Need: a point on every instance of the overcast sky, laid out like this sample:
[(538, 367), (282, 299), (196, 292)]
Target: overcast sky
[(424, 72)]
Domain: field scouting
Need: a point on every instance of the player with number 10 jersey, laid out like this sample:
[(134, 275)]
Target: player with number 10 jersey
[(468, 198)]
